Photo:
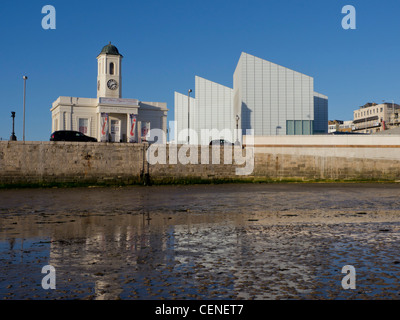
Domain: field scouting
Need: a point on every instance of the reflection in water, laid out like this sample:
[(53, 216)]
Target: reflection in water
[(190, 248)]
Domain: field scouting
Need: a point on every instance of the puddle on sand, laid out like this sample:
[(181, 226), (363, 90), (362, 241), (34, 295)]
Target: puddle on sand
[(214, 242)]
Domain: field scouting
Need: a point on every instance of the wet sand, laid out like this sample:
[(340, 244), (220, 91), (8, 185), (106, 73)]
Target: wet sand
[(234, 241)]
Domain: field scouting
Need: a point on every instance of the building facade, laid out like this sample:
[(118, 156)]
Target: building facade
[(109, 117), (271, 99), (340, 126), (320, 113), (266, 98), (372, 117), (210, 113)]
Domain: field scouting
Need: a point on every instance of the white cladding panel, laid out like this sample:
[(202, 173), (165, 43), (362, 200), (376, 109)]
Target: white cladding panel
[(271, 95), (210, 111), (181, 116), (214, 109)]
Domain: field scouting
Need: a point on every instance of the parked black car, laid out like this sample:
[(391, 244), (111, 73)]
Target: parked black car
[(221, 142), (68, 135)]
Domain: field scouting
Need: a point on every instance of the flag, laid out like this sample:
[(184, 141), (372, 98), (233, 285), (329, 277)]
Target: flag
[(132, 128), (104, 127), (145, 130)]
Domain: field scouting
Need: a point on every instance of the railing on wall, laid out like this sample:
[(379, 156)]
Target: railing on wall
[(364, 125)]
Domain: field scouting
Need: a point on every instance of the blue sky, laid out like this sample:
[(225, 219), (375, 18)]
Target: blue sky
[(166, 43)]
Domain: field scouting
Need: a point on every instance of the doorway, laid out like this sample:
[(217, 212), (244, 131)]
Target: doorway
[(115, 130)]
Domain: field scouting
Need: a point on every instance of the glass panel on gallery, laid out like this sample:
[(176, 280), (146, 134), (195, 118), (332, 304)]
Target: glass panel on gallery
[(290, 127)]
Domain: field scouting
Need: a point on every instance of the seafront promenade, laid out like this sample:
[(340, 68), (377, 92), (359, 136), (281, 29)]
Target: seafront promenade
[(264, 159)]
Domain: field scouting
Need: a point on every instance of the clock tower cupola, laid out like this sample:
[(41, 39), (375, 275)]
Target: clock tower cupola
[(109, 72)]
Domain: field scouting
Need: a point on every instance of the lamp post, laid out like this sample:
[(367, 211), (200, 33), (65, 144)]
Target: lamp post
[(13, 137), (237, 129), (277, 128), (23, 125), (190, 90)]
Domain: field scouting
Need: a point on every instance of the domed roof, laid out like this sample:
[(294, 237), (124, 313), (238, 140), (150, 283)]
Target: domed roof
[(110, 49)]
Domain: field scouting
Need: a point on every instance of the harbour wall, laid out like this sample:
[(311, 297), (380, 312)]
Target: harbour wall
[(274, 158)]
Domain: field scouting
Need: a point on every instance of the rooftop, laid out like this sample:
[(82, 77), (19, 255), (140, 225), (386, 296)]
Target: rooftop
[(110, 49)]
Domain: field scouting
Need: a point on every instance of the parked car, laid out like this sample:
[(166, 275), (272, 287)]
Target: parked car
[(221, 142), (68, 135)]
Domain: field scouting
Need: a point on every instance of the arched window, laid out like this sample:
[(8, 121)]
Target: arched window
[(111, 68)]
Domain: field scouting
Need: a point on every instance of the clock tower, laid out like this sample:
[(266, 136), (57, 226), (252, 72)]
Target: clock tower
[(109, 72)]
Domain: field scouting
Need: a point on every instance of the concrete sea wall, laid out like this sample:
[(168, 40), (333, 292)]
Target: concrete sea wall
[(282, 158), (333, 157)]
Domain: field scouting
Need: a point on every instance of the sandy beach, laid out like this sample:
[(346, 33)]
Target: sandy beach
[(233, 241)]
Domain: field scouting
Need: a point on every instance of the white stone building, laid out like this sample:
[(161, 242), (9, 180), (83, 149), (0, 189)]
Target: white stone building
[(109, 117), (373, 117), (212, 109), (266, 98)]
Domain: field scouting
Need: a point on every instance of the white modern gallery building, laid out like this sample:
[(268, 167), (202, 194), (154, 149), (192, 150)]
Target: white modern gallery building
[(109, 117), (266, 98)]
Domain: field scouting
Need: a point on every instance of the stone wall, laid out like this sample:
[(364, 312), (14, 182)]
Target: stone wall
[(275, 166), (327, 157), (48, 163), (69, 162)]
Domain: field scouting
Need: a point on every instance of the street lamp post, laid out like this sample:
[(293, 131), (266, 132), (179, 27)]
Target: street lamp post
[(190, 90), (23, 125), (13, 137), (237, 129)]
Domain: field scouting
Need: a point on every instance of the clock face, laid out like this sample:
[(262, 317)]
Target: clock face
[(112, 84)]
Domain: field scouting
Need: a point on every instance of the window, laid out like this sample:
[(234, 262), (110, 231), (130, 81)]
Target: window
[(83, 125), (306, 127), (111, 68), (290, 127), (300, 127)]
